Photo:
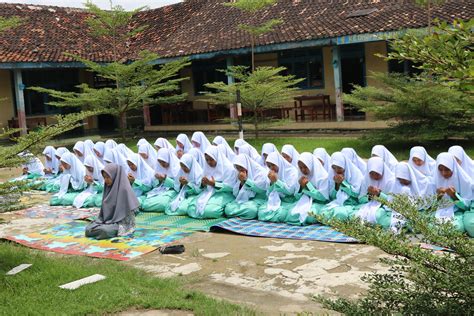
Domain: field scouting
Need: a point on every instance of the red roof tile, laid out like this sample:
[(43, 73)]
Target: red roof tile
[(201, 26)]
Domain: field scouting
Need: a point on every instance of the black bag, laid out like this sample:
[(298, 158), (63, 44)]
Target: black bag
[(175, 249)]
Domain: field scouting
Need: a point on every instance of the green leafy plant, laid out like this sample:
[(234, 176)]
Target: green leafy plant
[(255, 30), (264, 88), (136, 83), (419, 281)]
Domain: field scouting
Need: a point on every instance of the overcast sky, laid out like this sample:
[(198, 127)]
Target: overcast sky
[(127, 4)]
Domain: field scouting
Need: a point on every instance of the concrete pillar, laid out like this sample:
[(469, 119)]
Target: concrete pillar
[(230, 63), (20, 100), (336, 64), (231, 80)]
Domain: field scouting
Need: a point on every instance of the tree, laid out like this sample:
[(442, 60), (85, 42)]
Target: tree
[(446, 55), (252, 8), (419, 282), (137, 83), (264, 88), (435, 104), (10, 192), (429, 4), (415, 110), (33, 142)]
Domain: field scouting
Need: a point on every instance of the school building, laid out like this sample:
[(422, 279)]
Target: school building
[(331, 44)]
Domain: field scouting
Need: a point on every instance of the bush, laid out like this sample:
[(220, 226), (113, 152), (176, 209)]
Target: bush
[(420, 281)]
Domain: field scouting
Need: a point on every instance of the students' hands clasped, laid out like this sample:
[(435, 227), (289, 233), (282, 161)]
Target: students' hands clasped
[(207, 181), (88, 179), (373, 191), (451, 192), (243, 177), (339, 178), (183, 181), (303, 181), (47, 170), (131, 178), (273, 176), (160, 176)]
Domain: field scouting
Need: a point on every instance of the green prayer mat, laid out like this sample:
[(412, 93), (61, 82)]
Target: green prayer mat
[(152, 220)]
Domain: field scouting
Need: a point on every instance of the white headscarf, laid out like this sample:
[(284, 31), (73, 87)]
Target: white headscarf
[(202, 140), (255, 172), (195, 172), (248, 150), (355, 159), (324, 158), (124, 150), (162, 143), (144, 173), (33, 164), (460, 180), (93, 162), (183, 139), (220, 142), (223, 171), (253, 152), (100, 148), (61, 151), (199, 156), (147, 148), (420, 185), (110, 144), (466, 162), (318, 176), (286, 171), (89, 147), (352, 174), (428, 168), (387, 157), (113, 156), (268, 148), (76, 172), (385, 184), (168, 156), (142, 141), (52, 164), (291, 151), (80, 147)]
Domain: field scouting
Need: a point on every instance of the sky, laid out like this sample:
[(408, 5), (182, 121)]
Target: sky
[(127, 4)]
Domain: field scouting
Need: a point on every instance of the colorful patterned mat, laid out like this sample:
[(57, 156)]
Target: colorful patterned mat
[(152, 220), (69, 239), (285, 231), (434, 248), (63, 212)]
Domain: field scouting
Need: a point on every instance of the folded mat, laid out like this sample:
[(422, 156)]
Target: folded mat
[(160, 220), (69, 239), (285, 231)]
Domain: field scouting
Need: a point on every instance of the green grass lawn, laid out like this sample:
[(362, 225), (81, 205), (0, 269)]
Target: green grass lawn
[(35, 290), (332, 144)]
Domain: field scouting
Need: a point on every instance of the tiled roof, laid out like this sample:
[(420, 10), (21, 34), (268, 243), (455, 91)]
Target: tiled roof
[(201, 26)]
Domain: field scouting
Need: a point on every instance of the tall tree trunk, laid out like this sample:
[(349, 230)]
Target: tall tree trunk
[(255, 123), (252, 44), (123, 125), (429, 17)]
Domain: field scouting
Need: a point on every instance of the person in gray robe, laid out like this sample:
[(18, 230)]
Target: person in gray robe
[(119, 203)]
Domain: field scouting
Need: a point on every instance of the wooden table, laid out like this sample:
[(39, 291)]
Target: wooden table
[(300, 108)]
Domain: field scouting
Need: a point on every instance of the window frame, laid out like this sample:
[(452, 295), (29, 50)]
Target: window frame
[(304, 55)]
